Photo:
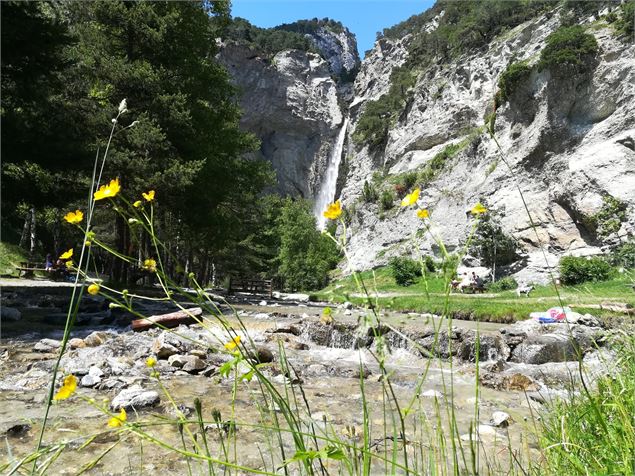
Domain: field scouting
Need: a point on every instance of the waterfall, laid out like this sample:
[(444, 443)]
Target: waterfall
[(326, 194)]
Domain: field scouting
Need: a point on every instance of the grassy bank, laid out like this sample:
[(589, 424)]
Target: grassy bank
[(496, 307), (10, 257)]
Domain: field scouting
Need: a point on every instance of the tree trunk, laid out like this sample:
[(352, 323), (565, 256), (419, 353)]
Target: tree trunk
[(32, 234)]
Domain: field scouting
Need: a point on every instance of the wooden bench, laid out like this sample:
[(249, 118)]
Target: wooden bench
[(28, 268), (249, 285)]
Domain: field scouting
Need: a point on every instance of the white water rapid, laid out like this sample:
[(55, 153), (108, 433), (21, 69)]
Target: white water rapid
[(326, 194)]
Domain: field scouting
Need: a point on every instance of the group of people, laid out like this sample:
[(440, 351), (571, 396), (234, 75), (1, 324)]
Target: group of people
[(57, 268), (473, 281)]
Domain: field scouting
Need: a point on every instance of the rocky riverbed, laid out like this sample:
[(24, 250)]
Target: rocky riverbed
[(521, 367)]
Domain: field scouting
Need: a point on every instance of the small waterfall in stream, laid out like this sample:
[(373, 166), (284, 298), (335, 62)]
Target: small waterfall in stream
[(326, 194)]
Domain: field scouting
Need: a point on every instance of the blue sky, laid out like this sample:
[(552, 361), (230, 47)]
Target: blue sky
[(362, 17)]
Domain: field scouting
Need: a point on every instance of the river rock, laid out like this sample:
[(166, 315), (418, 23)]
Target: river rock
[(10, 314), (90, 380), (76, 343), (177, 360), (482, 432), (194, 364), (95, 339), (135, 397), (47, 345), (432, 394), (501, 419), (492, 347), (17, 430), (262, 356), (168, 344)]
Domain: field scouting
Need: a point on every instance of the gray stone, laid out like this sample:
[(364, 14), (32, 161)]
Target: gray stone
[(47, 345), (177, 360), (90, 380), (501, 419), (167, 344), (135, 397), (9, 314), (194, 364), (95, 339), (76, 343)]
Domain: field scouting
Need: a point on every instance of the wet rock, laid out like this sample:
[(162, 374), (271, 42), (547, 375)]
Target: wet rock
[(262, 356), (95, 339), (193, 364), (10, 314), (501, 419), (482, 432), (347, 305), (135, 397), (508, 382), (200, 353), (289, 329), (18, 430), (442, 345), (76, 343), (490, 347), (177, 360), (47, 345), (167, 344), (545, 348)]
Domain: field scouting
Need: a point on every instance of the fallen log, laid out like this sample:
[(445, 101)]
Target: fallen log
[(172, 319)]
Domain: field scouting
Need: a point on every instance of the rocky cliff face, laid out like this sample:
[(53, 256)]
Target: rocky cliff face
[(340, 50), (291, 103), (568, 141)]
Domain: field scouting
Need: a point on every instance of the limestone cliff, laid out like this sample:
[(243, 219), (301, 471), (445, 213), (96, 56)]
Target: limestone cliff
[(568, 139)]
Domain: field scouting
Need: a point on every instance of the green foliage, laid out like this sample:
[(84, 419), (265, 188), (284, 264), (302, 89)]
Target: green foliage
[(312, 26), (10, 257), (609, 218), (306, 255), (369, 192), (511, 77), (437, 163), (379, 115), (625, 23), (568, 47), (429, 264), (404, 270), (503, 284), (624, 255), (268, 40), (387, 200), (577, 270), (490, 243), (598, 426)]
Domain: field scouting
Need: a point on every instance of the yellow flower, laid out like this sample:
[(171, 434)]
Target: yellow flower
[(333, 211), (69, 264), (108, 191), (93, 289), (478, 209), (74, 217), (150, 265), (423, 213), (148, 196), (88, 243), (232, 344), (151, 362), (119, 420), (67, 389), (137, 204), (411, 198), (67, 255)]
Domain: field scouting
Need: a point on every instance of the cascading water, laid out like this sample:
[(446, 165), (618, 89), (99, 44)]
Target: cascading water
[(327, 189)]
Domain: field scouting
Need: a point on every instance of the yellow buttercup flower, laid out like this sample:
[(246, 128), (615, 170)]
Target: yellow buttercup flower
[(232, 344), (93, 289), (137, 204), (67, 255), (151, 362), (150, 265), (423, 213), (119, 420), (67, 389), (478, 209), (69, 264), (411, 198), (108, 191), (333, 211), (148, 196), (74, 217)]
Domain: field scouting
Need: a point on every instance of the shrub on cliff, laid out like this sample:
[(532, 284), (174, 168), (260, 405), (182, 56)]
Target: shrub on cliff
[(511, 77), (577, 270), (568, 47)]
